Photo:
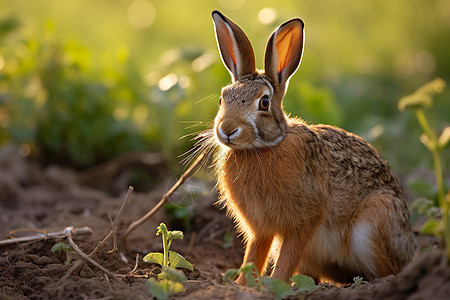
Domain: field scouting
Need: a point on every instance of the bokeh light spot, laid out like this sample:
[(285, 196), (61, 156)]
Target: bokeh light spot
[(140, 115), (120, 113), (425, 62), (141, 14), (24, 150), (184, 82), (167, 82), (203, 61), (267, 15)]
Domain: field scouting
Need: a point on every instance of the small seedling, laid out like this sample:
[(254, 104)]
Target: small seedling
[(265, 284), (357, 281), (168, 258), (61, 246), (169, 283), (170, 279)]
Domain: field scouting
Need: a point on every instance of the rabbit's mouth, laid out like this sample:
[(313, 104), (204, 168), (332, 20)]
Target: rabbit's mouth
[(229, 137), (241, 136), (232, 134)]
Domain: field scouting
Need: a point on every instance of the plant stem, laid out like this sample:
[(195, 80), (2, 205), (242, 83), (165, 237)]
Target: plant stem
[(165, 249), (443, 202), (446, 220), (439, 179), (435, 152), (424, 124)]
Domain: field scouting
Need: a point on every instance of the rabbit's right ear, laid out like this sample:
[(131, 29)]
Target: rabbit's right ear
[(234, 47)]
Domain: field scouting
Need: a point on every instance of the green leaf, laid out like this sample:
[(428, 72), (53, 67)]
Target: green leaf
[(178, 261), (155, 257), (422, 97), (172, 274), (251, 274), (444, 139), (357, 282), (231, 275), (421, 206), (61, 246), (173, 235), (277, 286), (431, 226), (162, 228), (427, 142), (414, 100), (164, 288), (304, 283)]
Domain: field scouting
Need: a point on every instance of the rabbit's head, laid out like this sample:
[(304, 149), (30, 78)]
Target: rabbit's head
[(250, 113)]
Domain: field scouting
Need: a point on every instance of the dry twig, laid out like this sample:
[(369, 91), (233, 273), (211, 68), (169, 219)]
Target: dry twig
[(68, 233), (136, 264), (44, 235)]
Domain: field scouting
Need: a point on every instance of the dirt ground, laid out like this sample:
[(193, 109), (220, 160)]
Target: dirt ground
[(51, 198)]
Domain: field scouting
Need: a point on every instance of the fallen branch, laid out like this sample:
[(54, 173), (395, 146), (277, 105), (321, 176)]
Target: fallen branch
[(185, 176), (45, 236)]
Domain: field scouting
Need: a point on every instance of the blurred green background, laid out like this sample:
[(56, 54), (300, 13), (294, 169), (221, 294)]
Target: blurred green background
[(82, 82)]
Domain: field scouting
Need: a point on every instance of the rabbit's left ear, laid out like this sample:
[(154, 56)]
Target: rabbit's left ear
[(234, 47), (284, 52)]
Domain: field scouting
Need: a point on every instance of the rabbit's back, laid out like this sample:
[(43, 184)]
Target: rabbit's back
[(352, 162)]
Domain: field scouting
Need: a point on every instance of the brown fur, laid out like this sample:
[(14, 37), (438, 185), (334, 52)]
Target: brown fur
[(325, 194)]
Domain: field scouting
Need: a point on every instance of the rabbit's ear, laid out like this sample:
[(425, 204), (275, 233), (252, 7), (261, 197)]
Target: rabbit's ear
[(234, 47), (284, 52)]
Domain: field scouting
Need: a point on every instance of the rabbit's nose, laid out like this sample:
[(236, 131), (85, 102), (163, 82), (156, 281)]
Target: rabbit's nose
[(228, 129), (229, 135)]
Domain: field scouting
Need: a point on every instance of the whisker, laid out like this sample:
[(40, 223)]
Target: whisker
[(189, 135), (198, 123), (205, 144), (207, 98)]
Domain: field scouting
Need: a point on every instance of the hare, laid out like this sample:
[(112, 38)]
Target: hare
[(329, 199)]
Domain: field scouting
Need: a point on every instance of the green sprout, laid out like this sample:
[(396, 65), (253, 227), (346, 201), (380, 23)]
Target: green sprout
[(418, 102), (279, 288), (357, 281), (61, 246), (170, 279), (168, 258)]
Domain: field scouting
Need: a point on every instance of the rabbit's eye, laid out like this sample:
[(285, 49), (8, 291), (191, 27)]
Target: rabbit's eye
[(220, 100), (264, 103)]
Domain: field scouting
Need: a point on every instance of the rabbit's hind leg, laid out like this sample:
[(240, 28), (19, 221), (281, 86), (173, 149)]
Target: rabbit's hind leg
[(381, 238)]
